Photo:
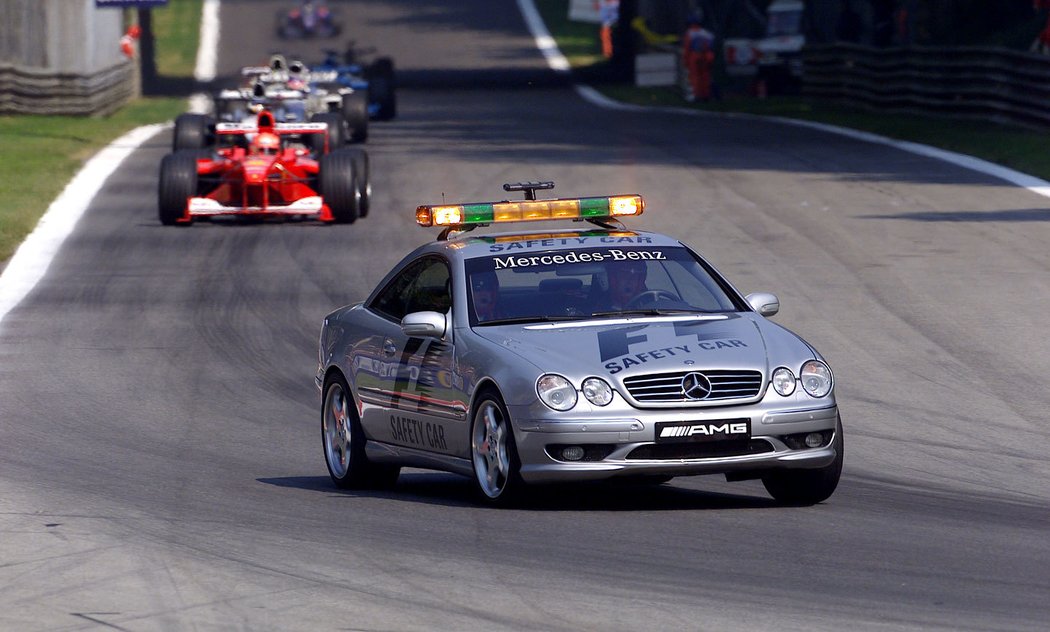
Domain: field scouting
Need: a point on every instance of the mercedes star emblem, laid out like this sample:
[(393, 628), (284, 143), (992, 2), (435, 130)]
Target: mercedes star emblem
[(696, 386)]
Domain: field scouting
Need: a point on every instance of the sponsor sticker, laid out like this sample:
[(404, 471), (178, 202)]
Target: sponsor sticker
[(695, 431)]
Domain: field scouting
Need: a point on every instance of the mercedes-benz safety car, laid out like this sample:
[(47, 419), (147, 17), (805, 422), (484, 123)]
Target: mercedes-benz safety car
[(265, 169), (518, 358)]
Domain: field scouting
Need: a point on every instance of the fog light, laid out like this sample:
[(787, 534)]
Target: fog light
[(814, 439), (572, 453)]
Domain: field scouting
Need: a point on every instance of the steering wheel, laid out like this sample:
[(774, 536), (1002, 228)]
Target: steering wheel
[(651, 296)]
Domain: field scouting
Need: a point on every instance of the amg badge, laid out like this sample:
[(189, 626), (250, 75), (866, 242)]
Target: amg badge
[(718, 430)]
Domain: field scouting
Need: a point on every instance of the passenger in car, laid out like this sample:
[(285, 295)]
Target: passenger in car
[(485, 291)]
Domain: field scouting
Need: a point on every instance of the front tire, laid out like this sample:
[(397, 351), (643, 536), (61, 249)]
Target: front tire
[(807, 487), (178, 183), (344, 440), (494, 453)]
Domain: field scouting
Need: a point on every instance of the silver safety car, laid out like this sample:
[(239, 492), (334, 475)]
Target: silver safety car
[(570, 355)]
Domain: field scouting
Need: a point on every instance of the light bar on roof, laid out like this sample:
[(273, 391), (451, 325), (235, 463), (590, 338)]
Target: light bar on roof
[(529, 210)]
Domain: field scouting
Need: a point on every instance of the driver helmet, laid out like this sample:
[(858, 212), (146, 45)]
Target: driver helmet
[(266, 143)]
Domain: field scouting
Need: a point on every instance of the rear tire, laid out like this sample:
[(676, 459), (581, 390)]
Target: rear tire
[(494, 453), (355, 112), (337, 184), (807, 487), (178, 183), (192, 131), (343, 441)]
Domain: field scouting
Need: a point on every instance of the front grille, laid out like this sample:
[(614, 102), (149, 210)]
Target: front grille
[(698, 450), (667, 387)]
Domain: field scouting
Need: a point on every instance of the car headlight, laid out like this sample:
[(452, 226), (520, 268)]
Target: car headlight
[(816, 378), (556, 391), (784, 381), (597, 391)]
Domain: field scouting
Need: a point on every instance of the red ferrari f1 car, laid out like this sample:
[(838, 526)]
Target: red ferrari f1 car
[(265, 169)]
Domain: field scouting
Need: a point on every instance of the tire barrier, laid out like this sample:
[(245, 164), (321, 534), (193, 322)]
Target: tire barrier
[(37, 91), (961, 82)]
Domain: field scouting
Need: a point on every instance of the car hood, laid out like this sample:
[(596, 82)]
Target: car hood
[(637, 346)]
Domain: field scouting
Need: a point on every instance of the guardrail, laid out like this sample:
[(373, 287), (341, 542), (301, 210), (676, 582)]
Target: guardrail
[(980, 83), (38, 91)]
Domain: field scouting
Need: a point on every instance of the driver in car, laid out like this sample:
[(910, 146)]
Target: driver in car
[(626, 282)]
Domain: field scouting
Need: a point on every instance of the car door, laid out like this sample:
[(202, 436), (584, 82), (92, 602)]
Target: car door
[(416, 402)]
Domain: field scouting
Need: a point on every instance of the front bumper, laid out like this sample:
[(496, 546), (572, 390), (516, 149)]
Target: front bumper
[(628, 446)]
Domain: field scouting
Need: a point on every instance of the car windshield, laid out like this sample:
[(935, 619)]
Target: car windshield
[(560, 285)]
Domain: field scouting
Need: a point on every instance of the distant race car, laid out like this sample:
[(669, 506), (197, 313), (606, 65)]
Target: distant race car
[(307, 19), (570, 355), (376, 79), (286, 90), (265, 169)]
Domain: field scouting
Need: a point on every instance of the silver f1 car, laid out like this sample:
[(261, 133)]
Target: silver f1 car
[(570, 355)]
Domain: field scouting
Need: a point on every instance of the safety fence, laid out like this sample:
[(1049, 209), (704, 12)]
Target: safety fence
[(979, 83), (36, 91)]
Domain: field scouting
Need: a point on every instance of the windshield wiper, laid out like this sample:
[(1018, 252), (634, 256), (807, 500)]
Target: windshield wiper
[(529, 319), (651, 311)]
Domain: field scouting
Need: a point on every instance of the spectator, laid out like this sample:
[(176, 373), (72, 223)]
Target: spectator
[(698, 57), (609, 15)]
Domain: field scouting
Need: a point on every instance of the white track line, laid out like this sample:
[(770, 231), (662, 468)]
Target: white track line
[(34, 256), (558, 62), (32, 259)]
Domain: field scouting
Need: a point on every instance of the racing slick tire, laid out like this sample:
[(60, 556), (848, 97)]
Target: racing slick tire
[(493, 452), (337, 184), (364, 184), (807, 487), (344, 441), (336, 132), (178, 183), (355, 111), (381, 88), (192, 131)]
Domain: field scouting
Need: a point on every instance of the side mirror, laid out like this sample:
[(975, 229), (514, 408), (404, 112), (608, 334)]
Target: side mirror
[(764, 303), (424, 325)]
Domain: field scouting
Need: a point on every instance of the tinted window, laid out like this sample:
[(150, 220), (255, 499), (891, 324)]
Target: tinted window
[(422, 286), (593, 282)]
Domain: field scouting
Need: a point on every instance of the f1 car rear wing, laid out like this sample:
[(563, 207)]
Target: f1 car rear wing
[(278, 128)]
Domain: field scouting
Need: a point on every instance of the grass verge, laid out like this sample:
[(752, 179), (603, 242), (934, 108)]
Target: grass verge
[(1010, 146), (47, 151)]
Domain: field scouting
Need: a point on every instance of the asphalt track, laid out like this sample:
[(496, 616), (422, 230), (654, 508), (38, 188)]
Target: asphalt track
[(161, 466)]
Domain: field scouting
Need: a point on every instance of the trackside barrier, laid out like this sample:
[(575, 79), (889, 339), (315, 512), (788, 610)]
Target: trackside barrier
[(37, 91), (979, 83)]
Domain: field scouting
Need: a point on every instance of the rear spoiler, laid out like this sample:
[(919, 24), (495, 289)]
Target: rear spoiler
[(278, 128)]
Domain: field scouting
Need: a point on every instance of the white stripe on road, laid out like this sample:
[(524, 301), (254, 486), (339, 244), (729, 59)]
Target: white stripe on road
[(34, 256)]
